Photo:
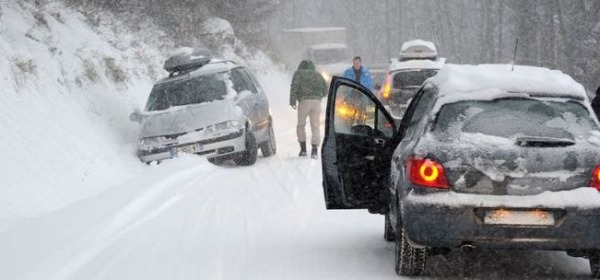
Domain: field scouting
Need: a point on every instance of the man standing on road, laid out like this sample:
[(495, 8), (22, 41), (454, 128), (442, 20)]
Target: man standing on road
[(361, 75), (307, 89)]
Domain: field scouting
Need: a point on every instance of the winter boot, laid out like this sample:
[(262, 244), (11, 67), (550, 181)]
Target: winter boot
[(314, 151), (302, 149)]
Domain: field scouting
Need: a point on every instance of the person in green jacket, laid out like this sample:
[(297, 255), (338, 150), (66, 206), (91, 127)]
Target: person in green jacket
[(308, 87)]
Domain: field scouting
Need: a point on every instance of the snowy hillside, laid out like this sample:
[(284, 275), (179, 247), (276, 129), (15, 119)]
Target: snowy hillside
[(68, 89)]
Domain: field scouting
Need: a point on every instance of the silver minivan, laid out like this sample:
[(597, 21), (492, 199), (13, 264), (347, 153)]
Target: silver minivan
[(206, 106)]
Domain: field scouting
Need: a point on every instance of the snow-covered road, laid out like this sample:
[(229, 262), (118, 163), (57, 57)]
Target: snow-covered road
[(189, 219)]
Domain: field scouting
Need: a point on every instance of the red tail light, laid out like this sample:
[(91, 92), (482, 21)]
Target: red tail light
[(427, 173), (595, 181), (387, 88)]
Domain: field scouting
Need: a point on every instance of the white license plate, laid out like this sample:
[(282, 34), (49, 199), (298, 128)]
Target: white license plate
[(515, 217), (194, 148)]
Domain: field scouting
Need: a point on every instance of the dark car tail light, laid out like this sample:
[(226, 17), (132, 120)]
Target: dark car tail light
[(387, 87), (426, 173), (595, 181)]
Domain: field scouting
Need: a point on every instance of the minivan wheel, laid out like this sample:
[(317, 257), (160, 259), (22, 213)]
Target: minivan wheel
[(595, 265), (216, 160), (388, 233), (248, 157), (410, 261), (269, 147)]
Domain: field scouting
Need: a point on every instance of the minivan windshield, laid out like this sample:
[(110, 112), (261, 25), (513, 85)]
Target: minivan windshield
[(196, 90), (412, 78), (511, 118)]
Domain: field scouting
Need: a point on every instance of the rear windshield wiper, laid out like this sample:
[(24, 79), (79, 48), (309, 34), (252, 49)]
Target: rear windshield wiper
[(533, 141)]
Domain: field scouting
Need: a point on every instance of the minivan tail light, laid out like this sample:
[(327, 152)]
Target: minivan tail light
[(427, 173), (595, 181), (387, 88)]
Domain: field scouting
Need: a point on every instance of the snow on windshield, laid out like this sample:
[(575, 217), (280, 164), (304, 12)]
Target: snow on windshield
[(201, 89), (511, 118)]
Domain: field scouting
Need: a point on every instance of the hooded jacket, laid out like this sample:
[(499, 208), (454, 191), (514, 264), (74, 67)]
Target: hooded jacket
[(307, 83)]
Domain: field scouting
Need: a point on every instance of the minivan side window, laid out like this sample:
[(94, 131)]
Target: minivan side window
[(250, 80), (239, 83)]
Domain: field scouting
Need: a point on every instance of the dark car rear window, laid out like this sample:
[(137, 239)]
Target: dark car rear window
[(413, 78), (196, 90), (510, 118)]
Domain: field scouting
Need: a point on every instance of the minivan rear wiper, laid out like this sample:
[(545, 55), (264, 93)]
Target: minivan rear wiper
[(543, 142)]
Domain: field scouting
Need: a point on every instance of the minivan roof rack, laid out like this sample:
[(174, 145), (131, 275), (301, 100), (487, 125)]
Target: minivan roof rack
[(186, 59)]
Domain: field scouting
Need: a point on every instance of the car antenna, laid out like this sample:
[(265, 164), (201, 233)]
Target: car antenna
[(515, 55)]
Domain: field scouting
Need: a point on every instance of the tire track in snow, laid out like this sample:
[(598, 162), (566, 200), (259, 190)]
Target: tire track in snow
[(128, 218)]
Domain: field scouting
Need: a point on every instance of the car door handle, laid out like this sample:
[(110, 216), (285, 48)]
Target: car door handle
[(379, 141)]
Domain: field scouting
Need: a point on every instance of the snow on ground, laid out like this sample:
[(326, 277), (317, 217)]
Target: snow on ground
[(77, 204)]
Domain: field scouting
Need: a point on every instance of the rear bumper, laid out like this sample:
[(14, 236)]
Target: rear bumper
[(447, 220), (213, 147)]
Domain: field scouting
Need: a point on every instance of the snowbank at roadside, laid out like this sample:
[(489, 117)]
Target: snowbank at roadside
[(68, 87)]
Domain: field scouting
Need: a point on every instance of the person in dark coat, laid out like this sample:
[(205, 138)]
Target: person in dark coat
[(307, 89), (596, 103)]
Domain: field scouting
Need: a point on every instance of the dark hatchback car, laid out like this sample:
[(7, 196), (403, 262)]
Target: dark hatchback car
[(484, 157)]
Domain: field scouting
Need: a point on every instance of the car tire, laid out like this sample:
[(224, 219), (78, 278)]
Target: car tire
[(248, 157), (388, 233), (410, 260), (595, 265), (269, 147), (216, 160)]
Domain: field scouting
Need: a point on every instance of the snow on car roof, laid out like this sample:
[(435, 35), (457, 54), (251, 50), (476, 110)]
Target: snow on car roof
[(418, 49), (418, 43), (477, 79), (214, 66), (417, 64)]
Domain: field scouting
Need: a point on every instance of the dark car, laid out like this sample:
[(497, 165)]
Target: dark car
[(403, 80), (206, 106), (484, 157)]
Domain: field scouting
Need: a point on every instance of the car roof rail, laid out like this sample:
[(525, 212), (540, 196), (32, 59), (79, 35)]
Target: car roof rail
[(187, 59)]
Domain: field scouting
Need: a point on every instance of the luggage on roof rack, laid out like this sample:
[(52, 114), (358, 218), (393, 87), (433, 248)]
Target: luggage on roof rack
[(187, 59), (418, 49)]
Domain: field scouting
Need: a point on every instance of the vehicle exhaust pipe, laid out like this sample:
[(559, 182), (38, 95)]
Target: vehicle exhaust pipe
[(467, 247)]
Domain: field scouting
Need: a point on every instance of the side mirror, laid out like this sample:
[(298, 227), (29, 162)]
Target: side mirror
[(136, 116)]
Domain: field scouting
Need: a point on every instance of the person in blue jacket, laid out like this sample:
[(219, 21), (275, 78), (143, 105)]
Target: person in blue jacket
[(361, 75)]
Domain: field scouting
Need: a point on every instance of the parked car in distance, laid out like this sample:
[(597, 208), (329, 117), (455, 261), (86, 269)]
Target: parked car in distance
[(418, 60), (206, 106), (483, 157), (378, 75)]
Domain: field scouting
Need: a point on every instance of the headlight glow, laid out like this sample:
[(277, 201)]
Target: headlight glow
[(326, 76)]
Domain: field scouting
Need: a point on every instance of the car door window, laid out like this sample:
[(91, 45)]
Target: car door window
[(355, 113), (421, 108), (352, 110)]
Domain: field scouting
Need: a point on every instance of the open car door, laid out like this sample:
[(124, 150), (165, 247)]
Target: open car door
[(357, 148)]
